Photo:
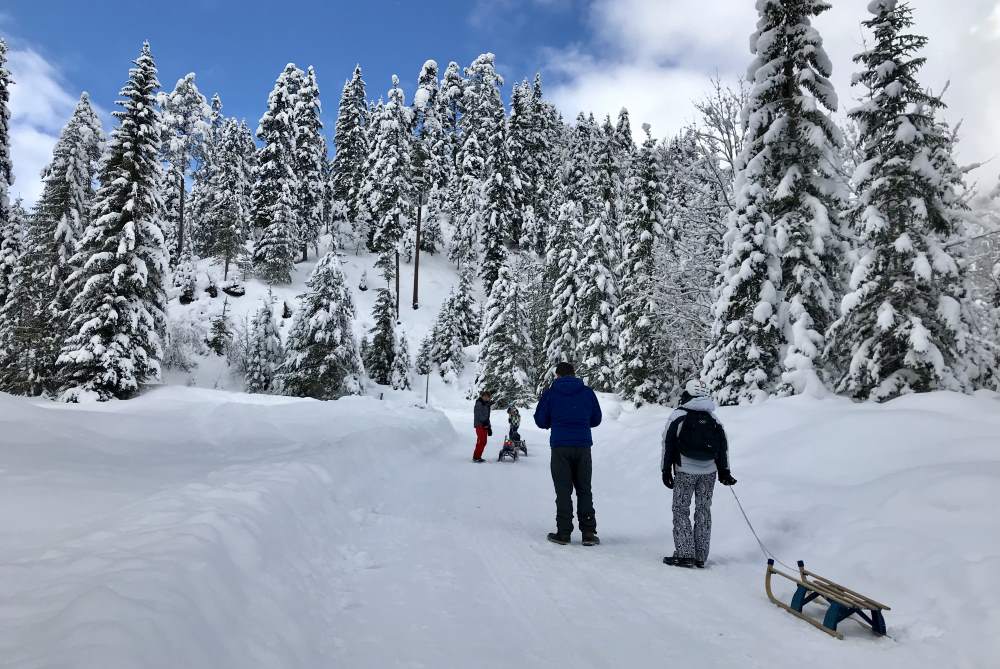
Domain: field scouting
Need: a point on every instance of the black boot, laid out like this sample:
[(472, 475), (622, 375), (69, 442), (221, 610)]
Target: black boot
[(591, 539), (675, 561), (559, 538)]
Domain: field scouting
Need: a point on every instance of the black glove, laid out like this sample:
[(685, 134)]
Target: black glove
[(726, 477), (668, 477), (489, 430)]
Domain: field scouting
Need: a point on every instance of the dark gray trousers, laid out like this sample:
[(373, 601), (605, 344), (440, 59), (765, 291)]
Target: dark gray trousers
[(571, 470)]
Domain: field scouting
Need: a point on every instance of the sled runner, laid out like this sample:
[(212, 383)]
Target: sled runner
[(843, 602)]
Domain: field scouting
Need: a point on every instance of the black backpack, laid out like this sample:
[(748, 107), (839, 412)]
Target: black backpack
[(701, 437)]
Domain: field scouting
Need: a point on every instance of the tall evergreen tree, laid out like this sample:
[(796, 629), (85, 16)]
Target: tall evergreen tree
[(231, 183), (775, 297), (902, 327), (24, 337), (6, 167), (637, 354), (504, 345), (118, 316), (321, 354), (275, 187), (199, 226), (562, 332), (450, 102), (264, 352), (399, 377), (446, 349), (310, 164), (352, 145), (388, 190), (382, 350), (185, 121), (598, 291)]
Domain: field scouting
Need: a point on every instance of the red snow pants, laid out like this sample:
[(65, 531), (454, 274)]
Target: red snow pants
[(480, 442)]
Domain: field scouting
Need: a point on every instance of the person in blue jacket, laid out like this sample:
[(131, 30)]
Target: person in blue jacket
[(570, 409)]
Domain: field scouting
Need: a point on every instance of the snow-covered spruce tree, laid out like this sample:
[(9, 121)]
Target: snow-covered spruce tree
[(118, 316), (562, 332), (902, 328), (446, 350), (500, 201), (184, 275), (597, 295), (775, 297), (399, 378), (638, 356), (185, 123), (451, 97), (6, 166), (197, 222), (274, 201), (33, 323), (64, 207), (310, 164), (23, 332), (363, 229), (382, 351), (388, 189), (430, 157), (435, 213), (423, 365), (466, 310), (504, 345), (264, 352), (231, 183), (321, 355), (352, 145), (524, 149)]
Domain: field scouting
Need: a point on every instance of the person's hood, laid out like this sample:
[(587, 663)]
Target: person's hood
[(568, 385), (700, 404)]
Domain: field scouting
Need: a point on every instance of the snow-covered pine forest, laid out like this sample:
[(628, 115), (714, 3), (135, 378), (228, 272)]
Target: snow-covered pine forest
[(188, 282), (784, 243)]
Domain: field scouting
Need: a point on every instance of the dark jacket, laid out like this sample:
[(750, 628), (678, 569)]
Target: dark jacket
[(671, 435), (569, 408), (481, 413)]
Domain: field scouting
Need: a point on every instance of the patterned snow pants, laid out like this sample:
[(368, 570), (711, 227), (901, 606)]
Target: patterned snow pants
[(688, 542)]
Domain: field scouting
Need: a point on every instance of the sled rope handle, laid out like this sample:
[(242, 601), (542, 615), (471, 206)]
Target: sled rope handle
[(763, 549)]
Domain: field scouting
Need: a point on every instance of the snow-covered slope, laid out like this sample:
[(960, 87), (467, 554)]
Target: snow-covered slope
[(199, 528), (437, 277)]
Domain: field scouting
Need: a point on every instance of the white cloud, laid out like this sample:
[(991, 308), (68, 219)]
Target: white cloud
[(654, 56), (40, 105)]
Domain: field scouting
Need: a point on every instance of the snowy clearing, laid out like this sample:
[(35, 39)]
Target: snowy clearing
[(200, 528)]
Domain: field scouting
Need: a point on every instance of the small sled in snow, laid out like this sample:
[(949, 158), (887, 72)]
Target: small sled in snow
[(512, 448), (842, 602)]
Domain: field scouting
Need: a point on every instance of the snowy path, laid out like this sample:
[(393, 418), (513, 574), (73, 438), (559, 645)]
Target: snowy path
[(466, 578), (201, 529)]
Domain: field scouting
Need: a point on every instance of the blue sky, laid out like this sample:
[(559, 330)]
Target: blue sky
[(653, 56)]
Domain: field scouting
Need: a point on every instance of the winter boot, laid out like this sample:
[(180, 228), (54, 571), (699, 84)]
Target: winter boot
[(558, 538), (591, 539), (700, 564), (675, 561), (479, 460)]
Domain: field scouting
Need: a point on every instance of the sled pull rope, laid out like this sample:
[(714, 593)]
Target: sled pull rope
[(763, 549)]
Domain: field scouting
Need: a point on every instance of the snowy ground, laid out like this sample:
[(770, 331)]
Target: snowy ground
[(199, 528)]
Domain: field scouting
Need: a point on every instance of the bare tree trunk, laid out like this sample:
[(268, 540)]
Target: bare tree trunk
[(416, 259)]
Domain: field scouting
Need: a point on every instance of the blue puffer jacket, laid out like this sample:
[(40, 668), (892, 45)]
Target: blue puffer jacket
[(569, 408)]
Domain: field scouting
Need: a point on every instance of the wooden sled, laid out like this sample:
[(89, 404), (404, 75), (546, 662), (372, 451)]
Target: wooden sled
[(843, 602)]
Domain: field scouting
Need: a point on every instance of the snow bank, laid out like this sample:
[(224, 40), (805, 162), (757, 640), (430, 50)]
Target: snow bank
[(189, 528)]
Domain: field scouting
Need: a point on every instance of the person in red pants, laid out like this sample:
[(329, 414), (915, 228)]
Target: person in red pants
[(481, 421)]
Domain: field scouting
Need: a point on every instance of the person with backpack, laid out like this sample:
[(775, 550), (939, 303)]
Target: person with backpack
[(481, 422), (695, 453), (570, 409)]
